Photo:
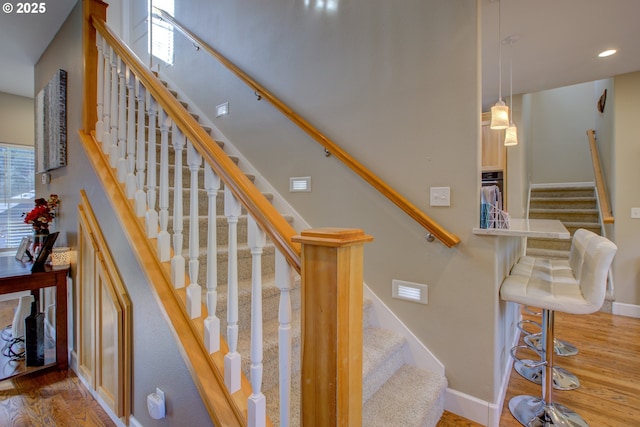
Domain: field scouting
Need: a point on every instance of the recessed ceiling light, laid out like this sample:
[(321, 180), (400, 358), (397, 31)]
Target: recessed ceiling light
[(607, 52)]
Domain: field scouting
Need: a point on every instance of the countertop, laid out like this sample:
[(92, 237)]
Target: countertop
[(520, 227)]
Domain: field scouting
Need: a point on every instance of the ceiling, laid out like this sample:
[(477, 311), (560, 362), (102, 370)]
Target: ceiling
[(558, 43), (23, 38)]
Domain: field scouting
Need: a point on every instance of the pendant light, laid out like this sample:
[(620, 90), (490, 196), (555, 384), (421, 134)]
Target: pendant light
[(511, 134), (500, 111)]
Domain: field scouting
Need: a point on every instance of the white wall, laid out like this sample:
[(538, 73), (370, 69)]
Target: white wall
[(557, 134), (16, 119)]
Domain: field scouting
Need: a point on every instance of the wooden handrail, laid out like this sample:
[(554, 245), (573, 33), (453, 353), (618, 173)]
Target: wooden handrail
[(265, 214), (603, 197), (425, 221)]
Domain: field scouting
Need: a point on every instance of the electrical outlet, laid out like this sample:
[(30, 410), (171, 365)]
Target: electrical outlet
[(440, 196)]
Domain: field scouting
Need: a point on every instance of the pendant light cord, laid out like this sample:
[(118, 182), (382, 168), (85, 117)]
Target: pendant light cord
[(499, 49), (511, 83)]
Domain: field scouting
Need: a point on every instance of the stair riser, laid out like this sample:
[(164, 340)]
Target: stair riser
[(378, 376), (553, 244), (566, 216), (594, 227), (563, 193), (563, 204)]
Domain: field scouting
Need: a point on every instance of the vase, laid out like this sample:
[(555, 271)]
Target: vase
[(39, 236)]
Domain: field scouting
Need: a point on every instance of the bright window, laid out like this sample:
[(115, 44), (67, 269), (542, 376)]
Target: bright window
[(17, 192), (162, 32)]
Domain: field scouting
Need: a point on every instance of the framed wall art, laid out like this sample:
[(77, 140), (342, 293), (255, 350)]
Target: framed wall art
[(51, 124)]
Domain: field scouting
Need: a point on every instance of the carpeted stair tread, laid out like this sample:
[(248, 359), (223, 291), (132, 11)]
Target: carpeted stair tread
[(412, 397)]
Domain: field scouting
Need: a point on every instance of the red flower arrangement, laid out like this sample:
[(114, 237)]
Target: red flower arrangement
[(42, 214)]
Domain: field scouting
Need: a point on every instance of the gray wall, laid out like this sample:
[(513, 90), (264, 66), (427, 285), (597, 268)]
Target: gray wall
[(157, 361), (559, 145), (16, 119), (626, 155), (396, 85)]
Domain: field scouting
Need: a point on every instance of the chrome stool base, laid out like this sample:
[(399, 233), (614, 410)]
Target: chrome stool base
[(562, 348), (562, 379), (533, 412)]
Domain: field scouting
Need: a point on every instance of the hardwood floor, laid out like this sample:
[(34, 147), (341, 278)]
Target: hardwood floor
[(49, 398), (608, 366), (44, 398)]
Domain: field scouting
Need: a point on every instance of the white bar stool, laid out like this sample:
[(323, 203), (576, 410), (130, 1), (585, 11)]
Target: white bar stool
[(560, 272), (580, 296)]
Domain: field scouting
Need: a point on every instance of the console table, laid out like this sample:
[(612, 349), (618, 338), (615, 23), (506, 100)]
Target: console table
[(16, 276)]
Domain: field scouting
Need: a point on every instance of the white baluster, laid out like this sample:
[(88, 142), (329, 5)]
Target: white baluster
[(164, 240), (100, 89), (194, 291), (140, 196), (110, 139), (284, 281), (151, 216), (257, 404), (130, 181), (177, 262), (122, 122), (232, 359), (212, 323)]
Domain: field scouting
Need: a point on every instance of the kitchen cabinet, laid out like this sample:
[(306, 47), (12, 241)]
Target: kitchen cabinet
[(494, 153)]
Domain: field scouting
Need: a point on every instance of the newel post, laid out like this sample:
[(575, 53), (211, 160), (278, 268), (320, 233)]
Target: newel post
[(332, 283), (98, 9)]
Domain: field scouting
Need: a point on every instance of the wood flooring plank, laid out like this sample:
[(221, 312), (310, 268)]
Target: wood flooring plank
[(607, 364), (49, 398)]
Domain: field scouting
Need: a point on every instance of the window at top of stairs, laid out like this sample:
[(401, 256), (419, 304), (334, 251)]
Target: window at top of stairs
[(162, 33)]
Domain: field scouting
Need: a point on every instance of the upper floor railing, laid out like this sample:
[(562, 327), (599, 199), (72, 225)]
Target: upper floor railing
[(330, 146)]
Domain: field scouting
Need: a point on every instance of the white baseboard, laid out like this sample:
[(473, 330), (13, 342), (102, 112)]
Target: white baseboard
[(478, 410), (628, 310), (134, 423)]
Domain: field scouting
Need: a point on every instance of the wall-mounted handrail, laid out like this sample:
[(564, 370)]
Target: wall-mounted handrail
[(603, 197), (425, 221), (265, 214)]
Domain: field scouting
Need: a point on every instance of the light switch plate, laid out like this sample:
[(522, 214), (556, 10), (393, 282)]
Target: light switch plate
[(635, 212), (440, 196)]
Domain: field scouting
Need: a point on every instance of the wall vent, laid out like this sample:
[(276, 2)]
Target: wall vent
[(222, 109), (409, 291), (300, 184)]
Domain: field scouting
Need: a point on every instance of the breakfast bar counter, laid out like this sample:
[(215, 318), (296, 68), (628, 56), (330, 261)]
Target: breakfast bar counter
[(520, 227)]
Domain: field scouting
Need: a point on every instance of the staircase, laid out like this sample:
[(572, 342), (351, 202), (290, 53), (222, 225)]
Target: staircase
[(575, 205), (394, 393)]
